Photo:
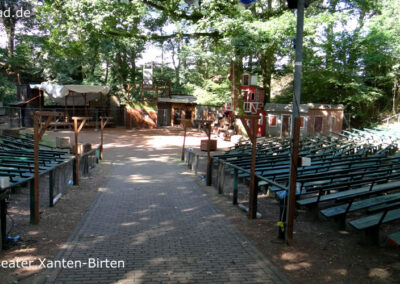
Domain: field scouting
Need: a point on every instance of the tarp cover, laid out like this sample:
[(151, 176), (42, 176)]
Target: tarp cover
[(57, 93)]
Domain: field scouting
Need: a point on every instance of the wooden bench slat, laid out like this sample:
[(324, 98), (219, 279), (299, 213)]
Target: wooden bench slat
[(351, 193), (373, 220), (359, 205), (394, 238)]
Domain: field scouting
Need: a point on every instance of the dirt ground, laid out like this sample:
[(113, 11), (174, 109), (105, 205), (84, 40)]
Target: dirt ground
[(320, 253)]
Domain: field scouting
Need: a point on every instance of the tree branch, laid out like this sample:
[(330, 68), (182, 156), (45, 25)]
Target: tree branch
[(175, 14), (157, 37)]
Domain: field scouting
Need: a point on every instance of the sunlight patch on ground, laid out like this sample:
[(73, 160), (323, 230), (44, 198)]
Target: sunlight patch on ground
[(115, 145), (144, 236), (127, 224), (141, 179), (189, 209), (146, 160), (159, 260), (340, 271), (293, 256), (297, 266), (103, 189), (380, 273)]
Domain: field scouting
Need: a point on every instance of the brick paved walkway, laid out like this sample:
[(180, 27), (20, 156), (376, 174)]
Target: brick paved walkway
[(160, 223)]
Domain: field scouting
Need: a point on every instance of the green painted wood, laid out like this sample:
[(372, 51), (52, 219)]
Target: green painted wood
[(394, 238), (383, 207), (373, 220), (351, 193), (359, 205)]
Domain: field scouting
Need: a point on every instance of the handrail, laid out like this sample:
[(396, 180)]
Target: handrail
[(390, 117), (258, 176)]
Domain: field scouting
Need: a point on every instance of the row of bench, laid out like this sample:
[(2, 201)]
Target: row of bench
[(350, 172), (17, 165)]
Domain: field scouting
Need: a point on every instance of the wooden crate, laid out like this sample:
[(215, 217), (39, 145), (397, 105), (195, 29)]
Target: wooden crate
[(204, 143)]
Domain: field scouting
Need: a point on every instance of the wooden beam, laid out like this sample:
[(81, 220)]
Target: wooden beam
[(78, 129), (103, 122), (253, 138)]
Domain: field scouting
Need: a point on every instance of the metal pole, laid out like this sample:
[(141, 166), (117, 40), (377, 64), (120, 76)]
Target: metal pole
[(295, 120), (253, 186)]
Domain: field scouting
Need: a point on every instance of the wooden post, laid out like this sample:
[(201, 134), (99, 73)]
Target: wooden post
[(206, 125), (293, 178), (38, 132), (235, 187), (77, 129), (253, 138), (103, 123), (186, 123)]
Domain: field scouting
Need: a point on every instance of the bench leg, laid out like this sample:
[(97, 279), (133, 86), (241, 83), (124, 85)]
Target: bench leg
[(340, 221), (221, 179), (32, 201), (235, 187), (209, 173), (372, 234)]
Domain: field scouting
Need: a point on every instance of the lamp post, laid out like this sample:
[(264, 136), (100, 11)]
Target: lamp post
[(295, 130)]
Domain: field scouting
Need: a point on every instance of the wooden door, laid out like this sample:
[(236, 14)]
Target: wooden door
[(285, 125), (317, 124)]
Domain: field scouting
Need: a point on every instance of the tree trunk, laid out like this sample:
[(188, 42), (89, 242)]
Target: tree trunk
[(267, 64), (133, 67), (106, 77), (236, 71), (10, 38)]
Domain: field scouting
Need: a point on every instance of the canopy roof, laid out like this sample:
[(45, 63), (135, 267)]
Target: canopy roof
[(57, 93)]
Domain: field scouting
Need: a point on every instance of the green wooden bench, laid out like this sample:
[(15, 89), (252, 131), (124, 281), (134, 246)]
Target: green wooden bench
[(384, 206), (351, 193), (370, 224), (352, 206)]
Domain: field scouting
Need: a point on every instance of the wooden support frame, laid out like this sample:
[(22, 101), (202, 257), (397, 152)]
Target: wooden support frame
[(252, 133), (81, 120), (103, 122), (38, 132)]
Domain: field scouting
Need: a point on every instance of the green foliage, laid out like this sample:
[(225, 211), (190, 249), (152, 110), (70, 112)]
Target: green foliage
[(8, 90), (351, 49), (212, 93)]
